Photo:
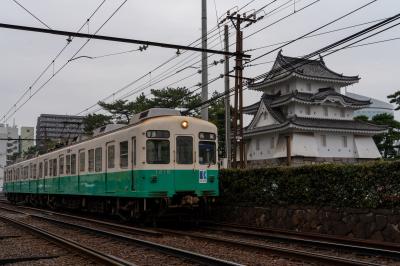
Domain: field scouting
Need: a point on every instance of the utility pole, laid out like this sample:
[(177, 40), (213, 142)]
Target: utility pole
[(238, 138), (228, 150), (204, 61)]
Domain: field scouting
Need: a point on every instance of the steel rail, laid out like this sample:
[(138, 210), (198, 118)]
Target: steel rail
[(180, 253), (306, 255), (97, 255)]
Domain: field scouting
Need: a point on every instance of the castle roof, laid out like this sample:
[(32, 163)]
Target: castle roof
[(286, 67)]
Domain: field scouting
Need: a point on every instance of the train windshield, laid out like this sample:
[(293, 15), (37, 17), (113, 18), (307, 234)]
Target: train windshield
[(184, 150), (157, 151), (207, 152)]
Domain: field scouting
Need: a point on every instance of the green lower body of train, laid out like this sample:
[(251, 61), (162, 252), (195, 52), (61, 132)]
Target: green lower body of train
[(127, 186)]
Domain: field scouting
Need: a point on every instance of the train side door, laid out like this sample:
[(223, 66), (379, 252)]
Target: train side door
[(134, 162), (81, 167), (184, 173), (111, 177)]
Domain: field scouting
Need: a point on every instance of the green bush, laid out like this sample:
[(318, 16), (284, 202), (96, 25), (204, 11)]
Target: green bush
[(368, 185)]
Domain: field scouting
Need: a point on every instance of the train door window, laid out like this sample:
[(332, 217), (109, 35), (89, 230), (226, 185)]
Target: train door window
[(157, 151), (91, 160), (40, 170), (30, 176), (134, 151), (82, 161), (123, 154), (73, 164), (110, 156), (46, 168), (184, 150), (98, 159), (207, 152), (68, 164), (61, 165), (54, 167)]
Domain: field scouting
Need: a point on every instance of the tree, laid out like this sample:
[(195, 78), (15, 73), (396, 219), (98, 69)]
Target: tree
[(93, 121), (386, 141), (395, 98), (31, 152), (362, 118)]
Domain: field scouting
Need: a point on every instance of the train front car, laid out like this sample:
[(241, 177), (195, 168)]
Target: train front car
[(178, 165)]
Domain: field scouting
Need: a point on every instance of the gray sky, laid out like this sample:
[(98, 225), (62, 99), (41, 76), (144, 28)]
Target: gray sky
[(84, 81)]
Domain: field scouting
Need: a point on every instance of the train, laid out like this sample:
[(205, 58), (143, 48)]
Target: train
[(158, 162)]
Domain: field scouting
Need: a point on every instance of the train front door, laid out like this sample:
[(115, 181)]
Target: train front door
[(185, 160)]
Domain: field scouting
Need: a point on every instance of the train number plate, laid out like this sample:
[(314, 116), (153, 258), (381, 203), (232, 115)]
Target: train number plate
[(203, 176)]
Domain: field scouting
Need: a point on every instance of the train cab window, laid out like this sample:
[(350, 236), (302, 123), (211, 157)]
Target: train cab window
[(184, 150), (61, 165), (123, 154), (68, 164), (98, 159), (91, 160), (46, 168), (110, 156), (54, 167), (40, 170), (82, 162), (157, 151), (207, 152), (73, 164)]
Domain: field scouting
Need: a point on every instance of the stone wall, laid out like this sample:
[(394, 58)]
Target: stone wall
[(374, 224)]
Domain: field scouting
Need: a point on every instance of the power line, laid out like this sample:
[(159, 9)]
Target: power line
[(33, 15), (65, 64), (29, 90)]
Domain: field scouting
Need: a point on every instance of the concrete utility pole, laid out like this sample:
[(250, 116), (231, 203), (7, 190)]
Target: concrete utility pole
[(228, 150), (204, 61)]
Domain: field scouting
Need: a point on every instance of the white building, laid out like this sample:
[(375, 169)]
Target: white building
[(27, 136), (303, 118), (7, 147), (376, 107)]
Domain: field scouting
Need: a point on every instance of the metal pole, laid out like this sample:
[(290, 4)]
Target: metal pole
[(228, 150), (240, 72), (204, 63)]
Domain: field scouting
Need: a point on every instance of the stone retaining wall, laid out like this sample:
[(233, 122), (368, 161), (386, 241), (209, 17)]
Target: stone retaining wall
[(374, 224)]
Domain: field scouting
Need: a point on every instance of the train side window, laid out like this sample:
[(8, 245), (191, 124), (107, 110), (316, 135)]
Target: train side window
[(91, 160), (82, 161), (34, 172), (110, 156), (157, 151), (46, 168), (40, 170), (98, 159), (68, 164), (61, 165), (30, 176), (51, 167), (184, 150), (73, 164), (123, 154), (54, 167)]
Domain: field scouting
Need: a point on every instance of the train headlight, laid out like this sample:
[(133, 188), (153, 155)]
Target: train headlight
[(184, 124)]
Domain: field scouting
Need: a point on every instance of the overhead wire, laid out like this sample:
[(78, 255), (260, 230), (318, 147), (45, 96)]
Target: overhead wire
[(33, 15)]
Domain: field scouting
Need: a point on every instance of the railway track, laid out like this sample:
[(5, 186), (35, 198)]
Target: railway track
[(69, 244), (358, 245), (168, 250)]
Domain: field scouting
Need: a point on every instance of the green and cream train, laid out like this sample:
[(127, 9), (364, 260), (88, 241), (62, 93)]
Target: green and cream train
[(159, 161)]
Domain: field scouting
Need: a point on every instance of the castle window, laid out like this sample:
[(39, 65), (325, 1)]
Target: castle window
[(308, 110), (326, 111), (323, 140), (342, 113), (344, 140), (308, 86)]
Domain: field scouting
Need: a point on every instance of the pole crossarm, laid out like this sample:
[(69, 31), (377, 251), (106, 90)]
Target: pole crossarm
[(116, 39)]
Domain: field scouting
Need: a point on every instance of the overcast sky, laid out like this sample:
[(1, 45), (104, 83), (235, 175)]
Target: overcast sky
[(24, 55)]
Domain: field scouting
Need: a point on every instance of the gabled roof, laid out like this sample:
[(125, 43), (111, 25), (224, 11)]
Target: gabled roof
[(286, 67)]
